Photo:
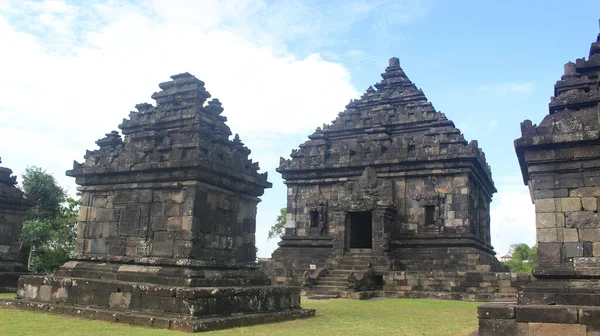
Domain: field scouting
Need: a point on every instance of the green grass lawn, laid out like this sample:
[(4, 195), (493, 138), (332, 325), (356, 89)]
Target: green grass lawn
[(334, 317)]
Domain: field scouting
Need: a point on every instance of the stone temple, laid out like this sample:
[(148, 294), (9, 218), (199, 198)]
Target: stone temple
[(13, 207), (391, 185), (166, 233), (560, 162)]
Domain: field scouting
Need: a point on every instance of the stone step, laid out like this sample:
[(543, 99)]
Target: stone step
[(353, 262), (359, 251), (356, 258), (335, 279), (351, 265), (328, 288), (323, 296), (332, 294), (312, 292), (343, 271), (328, 282)]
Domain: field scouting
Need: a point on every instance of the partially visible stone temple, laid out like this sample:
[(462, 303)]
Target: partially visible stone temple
[(166, 232), (560, 163), (13, 207), (390, 185)]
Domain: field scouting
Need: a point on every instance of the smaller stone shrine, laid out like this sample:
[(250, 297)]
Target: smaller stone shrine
[(165, 235), (13, 207), (390, 197), (560, 162)]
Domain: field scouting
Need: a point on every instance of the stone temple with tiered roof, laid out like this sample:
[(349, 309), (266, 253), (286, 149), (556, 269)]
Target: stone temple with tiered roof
[(390, 186), (165, 234)]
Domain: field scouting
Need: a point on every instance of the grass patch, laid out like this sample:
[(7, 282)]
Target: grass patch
[(334, 317)]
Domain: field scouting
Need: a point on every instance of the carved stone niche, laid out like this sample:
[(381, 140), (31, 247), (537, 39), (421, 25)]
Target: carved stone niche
[(367, 193), (370, 202), (317, 215), (432, 219)]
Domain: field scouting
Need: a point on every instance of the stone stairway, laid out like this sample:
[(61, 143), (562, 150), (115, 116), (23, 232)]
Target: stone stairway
[(335, 283)]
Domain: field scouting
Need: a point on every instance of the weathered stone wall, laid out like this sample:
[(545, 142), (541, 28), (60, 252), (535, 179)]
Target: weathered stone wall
[(287, 266), (478, 286), (460, 206), (180, 221)]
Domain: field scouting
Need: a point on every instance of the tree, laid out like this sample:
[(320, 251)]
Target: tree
[(523, 258), (42, 189), (49, 229), (278, 229), (57, 249), (35, 234)]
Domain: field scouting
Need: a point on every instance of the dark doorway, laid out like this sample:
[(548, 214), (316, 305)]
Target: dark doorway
[(430, 215), (361, 229), (314, 219)]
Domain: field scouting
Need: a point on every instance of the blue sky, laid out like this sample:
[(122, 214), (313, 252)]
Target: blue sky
[(72, 70)]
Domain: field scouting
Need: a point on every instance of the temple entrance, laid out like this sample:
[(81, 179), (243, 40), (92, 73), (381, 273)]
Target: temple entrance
[(361, 229)]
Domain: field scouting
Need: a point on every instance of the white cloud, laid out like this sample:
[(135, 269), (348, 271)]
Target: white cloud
[(512, 214), (502, 89)]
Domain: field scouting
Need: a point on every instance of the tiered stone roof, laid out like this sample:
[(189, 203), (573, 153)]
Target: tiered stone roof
[(181, 131), (391, 124)]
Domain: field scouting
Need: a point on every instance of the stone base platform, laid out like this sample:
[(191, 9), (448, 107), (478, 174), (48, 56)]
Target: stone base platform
[(9, 280), (365, 295), (508, 319), (10, 271), (160, 321), (165, 306)]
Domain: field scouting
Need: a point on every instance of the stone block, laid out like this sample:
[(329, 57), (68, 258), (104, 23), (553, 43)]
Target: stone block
[(102, 215), (547, 329), (584, 192), (582, 219), (592, 330), (591, 235), (187, 223), (504, 283), (548, 314), (174, 224), (589, 203), (570, 235), (99, 201), (83, 213), (579, 249), (496, 311), (159, 223), (97, 246), (547, 235), (546, 205), (497, 327), (45, 293), (549, 253), (570, 204), (550, 193), (547, 220), (119, 300), (507, 289), (596, 249), (162, 245)]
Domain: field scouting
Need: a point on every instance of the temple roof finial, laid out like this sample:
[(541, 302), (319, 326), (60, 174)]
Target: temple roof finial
[(595, 48), (394, 62)]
